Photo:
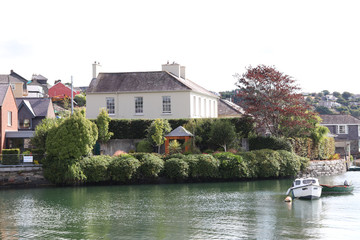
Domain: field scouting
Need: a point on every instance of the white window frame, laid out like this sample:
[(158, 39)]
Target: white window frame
[(166, 104), (139, 105), (9, 123), (110, 105), (342, 131)]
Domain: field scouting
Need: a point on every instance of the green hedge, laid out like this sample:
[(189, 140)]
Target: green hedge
[(260, 142), (11, 156), (151, 166), (305, 147), (95, 168), (231, 166), (176, 168), (124, 168)]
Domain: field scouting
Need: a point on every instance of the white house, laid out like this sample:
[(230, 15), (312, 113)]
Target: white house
[(150, 95)]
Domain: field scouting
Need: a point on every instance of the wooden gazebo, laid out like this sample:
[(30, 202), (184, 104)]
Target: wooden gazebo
[(178, 133)]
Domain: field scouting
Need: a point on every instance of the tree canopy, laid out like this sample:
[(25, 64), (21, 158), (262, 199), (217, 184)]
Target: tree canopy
[(272, 98)]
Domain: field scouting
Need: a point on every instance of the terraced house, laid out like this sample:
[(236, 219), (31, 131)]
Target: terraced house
[(150, 95)]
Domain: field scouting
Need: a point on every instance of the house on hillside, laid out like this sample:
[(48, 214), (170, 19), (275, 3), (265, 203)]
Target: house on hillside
[(8, 113), (346, 129), (149, 95), (17, 83), (227, 109), (60, 90), (31, 111), (38, 87)]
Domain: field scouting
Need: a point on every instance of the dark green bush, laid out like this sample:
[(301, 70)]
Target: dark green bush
[(304, 163), (144, 146), (123, 168), (38, 155), (207, 166), (95, 168), (151, 166), (231, 165), (11, 156), (289, 163), (176, 155), (268, 163), (251, 162), (192, 161), (260, 142), (176, 168)]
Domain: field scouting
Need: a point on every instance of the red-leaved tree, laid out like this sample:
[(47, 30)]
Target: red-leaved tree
[(272, 98)]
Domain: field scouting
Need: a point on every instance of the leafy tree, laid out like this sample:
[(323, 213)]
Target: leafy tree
[(271, 98), (102, 123), (346, 95), (325, 92), (336, 94), (41, 132), (222, 133), (157, 131), (323, 110), (342, 101), (80, 99)]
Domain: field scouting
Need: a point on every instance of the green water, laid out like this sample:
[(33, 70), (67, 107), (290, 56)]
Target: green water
[(236, 210)]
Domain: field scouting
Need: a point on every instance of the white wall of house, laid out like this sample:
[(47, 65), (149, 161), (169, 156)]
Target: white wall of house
[(183, 105)]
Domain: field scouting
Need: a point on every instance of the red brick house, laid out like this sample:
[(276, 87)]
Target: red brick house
[(60, 90), (8, 113)]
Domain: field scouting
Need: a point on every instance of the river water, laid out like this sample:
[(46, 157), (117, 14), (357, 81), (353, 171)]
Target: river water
[(233, 210)]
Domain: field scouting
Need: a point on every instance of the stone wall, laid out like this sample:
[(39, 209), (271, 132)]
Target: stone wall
[(22, 176), (114, 145), (324, 168)]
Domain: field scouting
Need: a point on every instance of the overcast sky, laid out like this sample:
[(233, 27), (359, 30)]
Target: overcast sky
[(316, 42)]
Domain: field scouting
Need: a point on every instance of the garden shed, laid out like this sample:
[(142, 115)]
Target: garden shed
[(178, 133)]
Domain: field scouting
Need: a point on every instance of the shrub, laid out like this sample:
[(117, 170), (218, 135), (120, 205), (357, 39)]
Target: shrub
[(192, 161), (174, 147), (176, 155), (95, 168), (251, 162), (305, 162), (123, 168), (207, 166), (144, 146), (268, 163), (260, 142), (289, 163), (176, 168), (231, 165), (336, 156), (11, 156), (151, 166)]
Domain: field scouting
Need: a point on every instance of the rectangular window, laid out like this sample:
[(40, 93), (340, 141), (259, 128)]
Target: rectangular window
[(9, 119), (139, 109), (24, 123), (110, 105), (342, 129), (166, 104)]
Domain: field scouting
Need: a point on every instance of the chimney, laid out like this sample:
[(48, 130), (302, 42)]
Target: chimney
[(174, 68), (57, 81), (94, 65)]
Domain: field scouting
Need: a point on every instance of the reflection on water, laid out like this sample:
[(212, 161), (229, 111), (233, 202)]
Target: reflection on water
[(236, 210)]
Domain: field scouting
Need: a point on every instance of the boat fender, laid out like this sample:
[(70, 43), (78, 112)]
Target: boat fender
[(288, 199)]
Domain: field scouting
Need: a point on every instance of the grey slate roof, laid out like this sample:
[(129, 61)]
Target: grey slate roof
[(227, 108), (3, 90), (39, 106), (339, 119), (20, 134), (179, 132), (142, 82)]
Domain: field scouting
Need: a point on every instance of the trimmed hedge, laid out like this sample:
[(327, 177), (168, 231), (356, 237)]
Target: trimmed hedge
[(176, 168), (207, 166), (231, 166), (268, 163), (305, 147), (123, 168), (95, 168), (260, 142), (11, 156), (151, 166)]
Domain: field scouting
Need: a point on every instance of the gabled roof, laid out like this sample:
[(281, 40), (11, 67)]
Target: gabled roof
[(179, 132), (157, 81), (228, 108), (27, 104), (13, 77), (339, 119), (39, 106), (3, 91)]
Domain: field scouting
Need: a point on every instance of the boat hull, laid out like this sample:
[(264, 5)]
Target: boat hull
[(337, 189), (307, 192)]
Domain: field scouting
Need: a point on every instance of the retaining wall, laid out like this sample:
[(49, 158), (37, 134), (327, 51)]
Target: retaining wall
[(324, 168), (114, 145), (22, 176)]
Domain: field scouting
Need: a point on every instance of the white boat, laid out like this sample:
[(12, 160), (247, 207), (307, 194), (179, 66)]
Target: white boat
[(305, 188)]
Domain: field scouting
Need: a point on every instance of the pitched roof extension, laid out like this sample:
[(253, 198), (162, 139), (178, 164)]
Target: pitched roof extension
[(227, 108), (339, 119), (143, 82), (39, 106)]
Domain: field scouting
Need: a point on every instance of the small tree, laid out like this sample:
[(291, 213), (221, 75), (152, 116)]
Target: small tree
[(157, 131), (80, 99), (102, 123), (41, 132), (222, 133)]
